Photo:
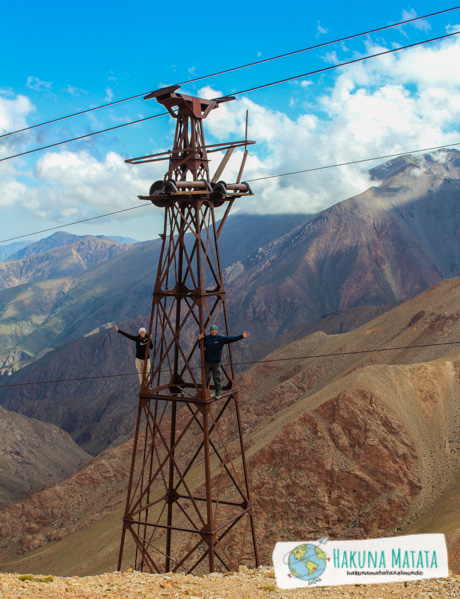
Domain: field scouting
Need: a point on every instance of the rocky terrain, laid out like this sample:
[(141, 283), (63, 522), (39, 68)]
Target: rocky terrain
[(99, 409), (69, 259), (33, 455), (387, 244), (351, 431), (8, 249), (283, 275), (67, 292), (349, 435), (252, 584)]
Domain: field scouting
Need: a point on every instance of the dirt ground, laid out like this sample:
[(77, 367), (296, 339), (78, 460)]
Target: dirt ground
[(252, 584)]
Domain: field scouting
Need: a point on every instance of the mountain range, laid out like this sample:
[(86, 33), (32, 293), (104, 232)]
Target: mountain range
[(348, 435), (33, 455), (360, 440), (385, 245), (282, 273)]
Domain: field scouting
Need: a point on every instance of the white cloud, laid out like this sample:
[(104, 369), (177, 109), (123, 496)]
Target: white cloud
[(12, 191), (422, 25), (74, 91), (37, 85), (452, 28), (397, 103), (14, 111), (77, 184), (390, 105), (321, 30)]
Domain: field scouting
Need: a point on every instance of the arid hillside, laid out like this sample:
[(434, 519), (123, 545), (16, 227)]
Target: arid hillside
[(252, 584), (349, 435), (33, 455), (282, 273), (389, 243)]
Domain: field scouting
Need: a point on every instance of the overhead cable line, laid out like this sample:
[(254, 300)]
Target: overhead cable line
[(60, 143), (342, 64), (232, 69), (77, 222), (320, 168), (310, 357), (249, 90), (308, 170)]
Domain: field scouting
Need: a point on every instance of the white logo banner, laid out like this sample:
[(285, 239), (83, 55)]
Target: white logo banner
[(392, 559)]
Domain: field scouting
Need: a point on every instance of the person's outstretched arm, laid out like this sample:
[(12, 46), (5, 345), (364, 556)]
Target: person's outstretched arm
[(236, 337), (132, 337)]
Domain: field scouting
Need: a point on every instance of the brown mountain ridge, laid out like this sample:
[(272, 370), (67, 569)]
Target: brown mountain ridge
[(349, 435), (376, 249), (33, 455)]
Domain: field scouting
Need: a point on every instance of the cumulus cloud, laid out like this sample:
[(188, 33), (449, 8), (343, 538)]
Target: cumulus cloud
[(394, 104), (14, 111), (12, 191), (76, 183)]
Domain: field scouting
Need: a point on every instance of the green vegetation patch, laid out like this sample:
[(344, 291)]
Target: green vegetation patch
[(32, 578)]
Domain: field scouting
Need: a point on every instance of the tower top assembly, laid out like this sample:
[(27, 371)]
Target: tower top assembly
[(188, 173)]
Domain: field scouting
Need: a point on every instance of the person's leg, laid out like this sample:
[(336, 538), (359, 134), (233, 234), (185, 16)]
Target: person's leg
[(140, 369), (216, 375), (207, 368)]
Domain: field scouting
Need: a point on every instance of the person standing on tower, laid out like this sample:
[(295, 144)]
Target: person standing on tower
[(213, 345), (141, 348)]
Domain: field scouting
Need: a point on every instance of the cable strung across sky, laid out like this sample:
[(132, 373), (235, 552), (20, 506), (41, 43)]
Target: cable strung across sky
[(308, 170), (311, 357), (246, 91), (230, 70)]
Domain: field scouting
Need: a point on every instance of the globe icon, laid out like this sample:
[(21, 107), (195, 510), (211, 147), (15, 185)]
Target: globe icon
[(307, 562)]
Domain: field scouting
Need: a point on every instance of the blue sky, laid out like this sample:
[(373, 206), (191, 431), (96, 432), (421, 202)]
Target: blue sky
[(64, 57)]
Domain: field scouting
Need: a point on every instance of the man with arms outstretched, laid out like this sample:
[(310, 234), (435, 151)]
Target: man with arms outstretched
[(213, 345)]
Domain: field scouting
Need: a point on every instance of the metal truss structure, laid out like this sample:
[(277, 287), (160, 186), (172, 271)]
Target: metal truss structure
[(189, 505)]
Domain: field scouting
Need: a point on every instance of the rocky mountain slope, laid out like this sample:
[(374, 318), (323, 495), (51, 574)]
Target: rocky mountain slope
[(347, 435), (387, 244), (68, 259), (57, 240), (33, 455), (99, 409), (53, 241), (282, 273), (42, 314), (8, 249)]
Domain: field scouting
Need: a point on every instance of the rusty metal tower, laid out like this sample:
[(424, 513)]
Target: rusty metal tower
[(188, 504)]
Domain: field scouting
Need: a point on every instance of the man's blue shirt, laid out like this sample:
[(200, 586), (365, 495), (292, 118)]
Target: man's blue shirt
[(213, 346)]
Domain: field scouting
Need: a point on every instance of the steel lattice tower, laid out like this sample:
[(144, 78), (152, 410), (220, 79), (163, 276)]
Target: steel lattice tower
[(188, 504)]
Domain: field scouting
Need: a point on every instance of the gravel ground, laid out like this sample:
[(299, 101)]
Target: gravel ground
[(243, 585)]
